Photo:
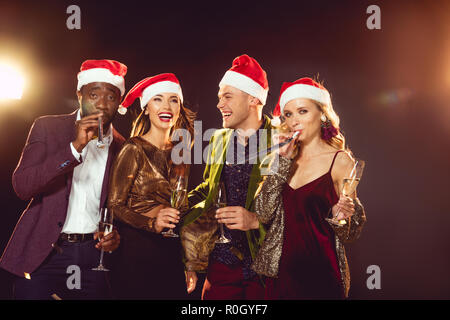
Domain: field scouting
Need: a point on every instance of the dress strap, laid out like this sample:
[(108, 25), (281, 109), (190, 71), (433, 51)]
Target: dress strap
[(334, 158)]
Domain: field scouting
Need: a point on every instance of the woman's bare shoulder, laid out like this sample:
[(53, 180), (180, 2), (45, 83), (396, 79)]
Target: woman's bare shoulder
[(343, 164)]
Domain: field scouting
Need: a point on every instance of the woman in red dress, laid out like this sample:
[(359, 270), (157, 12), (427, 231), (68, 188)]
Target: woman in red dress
[(302, 256)]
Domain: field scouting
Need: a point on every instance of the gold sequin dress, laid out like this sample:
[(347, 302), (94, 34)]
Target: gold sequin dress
[(146, 265)]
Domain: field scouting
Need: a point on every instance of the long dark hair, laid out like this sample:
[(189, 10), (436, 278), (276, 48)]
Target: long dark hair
[(185, 121)]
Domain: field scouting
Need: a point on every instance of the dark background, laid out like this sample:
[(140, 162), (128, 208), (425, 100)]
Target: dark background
[(390, 87)]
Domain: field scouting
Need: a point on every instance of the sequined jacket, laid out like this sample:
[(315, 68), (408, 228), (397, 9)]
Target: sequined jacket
[(269, 207)]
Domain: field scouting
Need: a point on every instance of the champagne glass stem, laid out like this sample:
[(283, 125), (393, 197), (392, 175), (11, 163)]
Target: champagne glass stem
[(100, 129), (334, 219), (175, 203), (102, 252), (100, 142), (105, 226), (221, 230)]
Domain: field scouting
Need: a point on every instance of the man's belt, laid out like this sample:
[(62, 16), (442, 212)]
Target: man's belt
[(76, 237)]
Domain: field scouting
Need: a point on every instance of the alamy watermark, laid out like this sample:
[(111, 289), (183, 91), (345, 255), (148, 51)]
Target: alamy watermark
[(229, 148), (374, 280), (74, 20), (374, 20), (74, 280)]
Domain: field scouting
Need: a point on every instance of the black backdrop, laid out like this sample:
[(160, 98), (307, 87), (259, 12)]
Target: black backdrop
[(389, 86)]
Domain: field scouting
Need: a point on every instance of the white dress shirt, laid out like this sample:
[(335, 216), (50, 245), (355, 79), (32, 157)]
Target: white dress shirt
[(84, 201)]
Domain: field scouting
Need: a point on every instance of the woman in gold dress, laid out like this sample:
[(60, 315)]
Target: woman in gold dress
[(148, 265)]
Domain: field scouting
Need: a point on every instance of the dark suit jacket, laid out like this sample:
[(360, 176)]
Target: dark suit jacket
[(44, 176)]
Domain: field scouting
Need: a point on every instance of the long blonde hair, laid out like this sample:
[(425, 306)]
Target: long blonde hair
[(338, 141)]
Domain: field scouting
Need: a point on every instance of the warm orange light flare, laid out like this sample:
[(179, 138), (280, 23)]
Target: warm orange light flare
[(11, 82)]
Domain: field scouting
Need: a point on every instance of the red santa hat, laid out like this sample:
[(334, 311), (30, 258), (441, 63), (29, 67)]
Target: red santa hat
[(247, 75), (150, 87), (301, 88), (109, 71)]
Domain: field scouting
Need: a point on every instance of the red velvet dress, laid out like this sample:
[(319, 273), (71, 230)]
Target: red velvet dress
[(309, 266)]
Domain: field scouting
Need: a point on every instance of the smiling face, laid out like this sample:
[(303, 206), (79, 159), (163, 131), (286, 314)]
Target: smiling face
[(99, 97), (234, 105), (303, 115), (163, 110)]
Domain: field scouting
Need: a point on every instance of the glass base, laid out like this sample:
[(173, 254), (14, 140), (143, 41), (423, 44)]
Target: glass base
[(100, 268), (336, 222), (170, 234), (223, 239)]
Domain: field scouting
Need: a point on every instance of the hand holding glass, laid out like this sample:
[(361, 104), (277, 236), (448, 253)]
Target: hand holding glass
[(105, 226), (221, 202), (177, 200), (349, 186)]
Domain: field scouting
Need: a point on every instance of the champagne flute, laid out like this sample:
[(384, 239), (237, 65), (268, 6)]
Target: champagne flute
[(105, 226), (177, 200), (349, 186), (100, 142), (221, 202), (88, 109)]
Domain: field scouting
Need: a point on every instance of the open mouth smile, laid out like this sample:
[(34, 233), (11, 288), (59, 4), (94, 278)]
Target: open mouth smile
[(165, 116), (226, 114)]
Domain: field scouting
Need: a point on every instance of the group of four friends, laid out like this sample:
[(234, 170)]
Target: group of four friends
[(282, 244)]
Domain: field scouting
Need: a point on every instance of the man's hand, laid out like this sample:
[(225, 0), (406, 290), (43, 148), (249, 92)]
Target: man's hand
[(237, 218), (86, 130), (166, 218), (110, 242), (345, 207), (191, 281)]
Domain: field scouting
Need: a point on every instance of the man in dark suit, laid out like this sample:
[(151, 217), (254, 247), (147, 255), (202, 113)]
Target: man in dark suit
[(65, 174)]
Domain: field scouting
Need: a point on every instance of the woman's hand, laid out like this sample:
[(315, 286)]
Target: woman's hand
[(191, 281), (166, 218), (288, 150), (344, 208)]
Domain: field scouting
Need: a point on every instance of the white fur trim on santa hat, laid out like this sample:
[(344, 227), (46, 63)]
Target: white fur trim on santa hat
[(275, 121), (122, 110), (304, 91), (100, 75), (160, 87), (244, 83)]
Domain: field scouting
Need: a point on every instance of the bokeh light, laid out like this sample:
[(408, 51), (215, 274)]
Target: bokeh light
[(12, 82)]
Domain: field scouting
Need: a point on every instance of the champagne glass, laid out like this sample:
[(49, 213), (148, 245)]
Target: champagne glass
[(221, 202), (349, 186), (177, 200), (105, 226), (100, 142), (88, 109)]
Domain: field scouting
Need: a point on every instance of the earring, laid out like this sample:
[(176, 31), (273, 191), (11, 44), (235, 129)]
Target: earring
[(323, 118), (328, 130), (325, 124)]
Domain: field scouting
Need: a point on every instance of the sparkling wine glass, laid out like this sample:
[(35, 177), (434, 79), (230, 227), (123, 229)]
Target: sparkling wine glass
[(177, 200), (105, 226), (349, 186), (221, 202), (100, 142)]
